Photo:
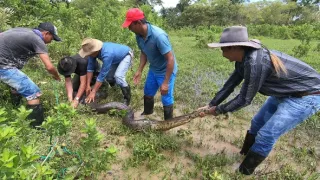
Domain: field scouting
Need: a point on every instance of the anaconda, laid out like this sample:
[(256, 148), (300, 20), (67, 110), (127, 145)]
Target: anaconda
[(144, 124)]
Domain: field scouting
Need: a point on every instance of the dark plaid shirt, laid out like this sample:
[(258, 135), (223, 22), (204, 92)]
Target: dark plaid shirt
[(259, 75)]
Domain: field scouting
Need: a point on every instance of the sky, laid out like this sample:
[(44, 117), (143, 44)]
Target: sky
[(170, 3), (173, 3)]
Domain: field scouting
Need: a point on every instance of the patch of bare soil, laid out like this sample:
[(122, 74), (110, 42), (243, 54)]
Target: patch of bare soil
[(202, 136)]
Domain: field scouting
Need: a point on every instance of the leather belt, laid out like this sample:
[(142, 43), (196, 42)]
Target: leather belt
[(306, 94)]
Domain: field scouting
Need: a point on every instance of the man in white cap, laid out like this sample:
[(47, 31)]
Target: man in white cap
[(116, 60), (17, 46)]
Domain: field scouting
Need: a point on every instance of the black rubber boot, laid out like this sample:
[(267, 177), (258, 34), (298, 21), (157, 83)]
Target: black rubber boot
[(112, 83), (15, 99), (248, 142), (148, 105), (37, 114), (168, 112), (126, 91), (250, 162)]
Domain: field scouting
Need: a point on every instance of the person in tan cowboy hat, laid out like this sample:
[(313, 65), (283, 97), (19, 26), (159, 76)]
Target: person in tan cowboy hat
[(116, 60), (293, 88)]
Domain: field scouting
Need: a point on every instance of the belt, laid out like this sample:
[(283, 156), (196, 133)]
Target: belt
[(306, 94)]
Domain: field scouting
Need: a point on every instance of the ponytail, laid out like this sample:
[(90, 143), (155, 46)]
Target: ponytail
[(278, 65), (276, 61)]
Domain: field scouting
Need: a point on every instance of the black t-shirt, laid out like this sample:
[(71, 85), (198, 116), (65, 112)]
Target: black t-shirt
[(82, 64)]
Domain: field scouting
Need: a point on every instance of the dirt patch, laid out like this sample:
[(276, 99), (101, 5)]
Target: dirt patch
[(202, 136)]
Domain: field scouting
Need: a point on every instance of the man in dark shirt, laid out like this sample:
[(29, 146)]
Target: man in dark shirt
[(293, 87), (17, 46), (78, 65)]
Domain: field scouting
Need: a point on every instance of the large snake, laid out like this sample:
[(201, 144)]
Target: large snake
[(144, 124)]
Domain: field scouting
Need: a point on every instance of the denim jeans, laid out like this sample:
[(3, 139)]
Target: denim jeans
[(118, 72), (20, 82), (279, 115), (153, 83)]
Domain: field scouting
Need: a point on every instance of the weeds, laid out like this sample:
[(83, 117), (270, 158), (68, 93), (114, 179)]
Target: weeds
[(210, 165), (147, 148)]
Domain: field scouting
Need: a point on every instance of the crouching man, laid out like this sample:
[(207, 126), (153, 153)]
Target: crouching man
[(116, 60), (17, 46)]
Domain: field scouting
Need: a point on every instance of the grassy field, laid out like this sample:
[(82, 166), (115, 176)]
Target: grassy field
[(206, 148)]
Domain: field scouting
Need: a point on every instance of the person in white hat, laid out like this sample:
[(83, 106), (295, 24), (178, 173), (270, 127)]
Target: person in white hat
[(116, 60), (293, 88)]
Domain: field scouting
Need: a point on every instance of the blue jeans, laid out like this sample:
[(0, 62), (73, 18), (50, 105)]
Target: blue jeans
[(153, 83), (279, 115), (20, 82), (118, 72)]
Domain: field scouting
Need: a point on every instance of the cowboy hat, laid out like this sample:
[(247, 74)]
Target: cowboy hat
[(89, 46), (235, 36)]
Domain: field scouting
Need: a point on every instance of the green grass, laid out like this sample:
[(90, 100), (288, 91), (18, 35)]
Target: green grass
[(205, 148)]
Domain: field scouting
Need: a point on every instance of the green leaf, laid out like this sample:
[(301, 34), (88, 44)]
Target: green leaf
[(9, 164), (112, 150)]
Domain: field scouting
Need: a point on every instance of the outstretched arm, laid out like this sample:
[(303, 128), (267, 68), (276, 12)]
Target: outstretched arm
[(49, 66), (143, 62)]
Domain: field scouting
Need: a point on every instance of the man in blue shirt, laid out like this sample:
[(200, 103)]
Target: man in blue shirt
[(116, 60), (156, 49)]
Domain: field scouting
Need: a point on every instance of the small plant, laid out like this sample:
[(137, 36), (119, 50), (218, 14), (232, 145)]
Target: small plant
[(94, 158), (209, 163), (148, 147), (60, 123), (18, 153), (302, 49), (204, 38)]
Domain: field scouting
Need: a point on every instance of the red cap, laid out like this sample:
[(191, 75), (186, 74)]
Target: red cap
[(133, 14)]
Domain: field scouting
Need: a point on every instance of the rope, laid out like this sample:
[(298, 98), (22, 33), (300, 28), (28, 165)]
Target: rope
[(62, 171), (56, 93)]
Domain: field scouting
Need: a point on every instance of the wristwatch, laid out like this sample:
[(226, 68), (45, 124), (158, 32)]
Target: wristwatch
[(76, 98)]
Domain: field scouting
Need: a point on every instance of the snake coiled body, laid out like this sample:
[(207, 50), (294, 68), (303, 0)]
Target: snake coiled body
[(144, 124)]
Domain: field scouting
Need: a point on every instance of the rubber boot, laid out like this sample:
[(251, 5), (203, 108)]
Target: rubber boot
[(148, 105), (250, 162), (248, 142), (126, 91), (168, 112), (112, 83), (37, 114), (15, 99)]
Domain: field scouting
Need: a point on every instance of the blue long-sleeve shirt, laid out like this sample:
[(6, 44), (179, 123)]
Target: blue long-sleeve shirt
[(259, 75), (110, 53)]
